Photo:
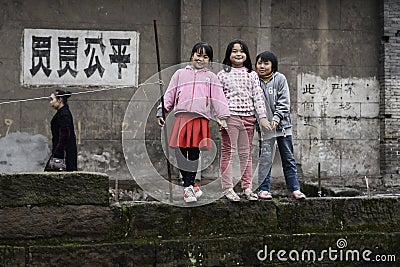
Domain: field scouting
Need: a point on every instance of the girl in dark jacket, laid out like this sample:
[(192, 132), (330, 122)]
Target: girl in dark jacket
[(62, 130)]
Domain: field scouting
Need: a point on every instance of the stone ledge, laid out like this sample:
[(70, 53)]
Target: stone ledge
[(227, 251), (286, 216), (43, 224), (153, 220), (53, 189)]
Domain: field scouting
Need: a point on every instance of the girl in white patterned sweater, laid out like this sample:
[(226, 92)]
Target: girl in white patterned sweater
[(245, 98)]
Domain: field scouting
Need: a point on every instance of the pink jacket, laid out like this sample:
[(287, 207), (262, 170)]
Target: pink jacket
[(197, 92)]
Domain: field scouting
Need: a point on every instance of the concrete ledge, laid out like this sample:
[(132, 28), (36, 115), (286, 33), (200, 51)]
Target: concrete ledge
[(53, 189)]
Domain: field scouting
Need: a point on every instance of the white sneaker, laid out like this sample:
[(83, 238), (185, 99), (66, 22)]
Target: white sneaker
[(264, 195), (298, 194), (189, 194), (250, 195), (197, 192)]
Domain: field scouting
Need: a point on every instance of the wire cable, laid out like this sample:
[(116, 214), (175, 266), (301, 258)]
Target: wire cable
[(78, 93)]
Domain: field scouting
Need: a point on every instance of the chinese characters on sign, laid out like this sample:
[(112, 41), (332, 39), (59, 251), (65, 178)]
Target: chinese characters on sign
[(76, 57)]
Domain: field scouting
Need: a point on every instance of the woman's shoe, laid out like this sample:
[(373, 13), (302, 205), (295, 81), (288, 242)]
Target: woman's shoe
[(231, 195)]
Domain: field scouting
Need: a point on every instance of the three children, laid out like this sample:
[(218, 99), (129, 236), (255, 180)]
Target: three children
[(237, 97)]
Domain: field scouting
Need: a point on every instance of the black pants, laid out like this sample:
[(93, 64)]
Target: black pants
[(188, 161)]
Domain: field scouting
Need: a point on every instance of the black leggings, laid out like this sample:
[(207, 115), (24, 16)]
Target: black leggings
[(188, 161)]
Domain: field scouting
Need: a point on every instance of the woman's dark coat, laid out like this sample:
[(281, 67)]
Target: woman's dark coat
[(63, 138)]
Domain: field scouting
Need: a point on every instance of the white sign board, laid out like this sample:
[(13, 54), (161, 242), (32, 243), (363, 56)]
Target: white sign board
[(79, 57)]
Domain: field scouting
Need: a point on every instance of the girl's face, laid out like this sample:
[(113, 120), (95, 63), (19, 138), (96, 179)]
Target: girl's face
[(238, 56), (263, 68), (54, 102), (200, 59)]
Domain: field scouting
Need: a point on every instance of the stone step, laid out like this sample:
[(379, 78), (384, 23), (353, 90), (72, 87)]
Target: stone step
[(53, 189)]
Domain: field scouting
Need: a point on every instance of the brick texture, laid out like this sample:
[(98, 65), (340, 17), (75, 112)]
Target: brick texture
[(390, 91)]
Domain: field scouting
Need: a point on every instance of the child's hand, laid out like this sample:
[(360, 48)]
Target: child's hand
[(266, 124), (274, 124), (222, 123), (160, 121)]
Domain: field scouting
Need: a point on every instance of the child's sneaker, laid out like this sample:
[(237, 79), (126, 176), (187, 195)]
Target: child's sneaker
[(189, 195), (231, 195), (250, 195), (298, 195), (197, 192), (264, 195)]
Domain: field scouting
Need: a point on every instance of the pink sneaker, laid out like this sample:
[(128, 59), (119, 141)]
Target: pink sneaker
[(298, 195), (264, 195)]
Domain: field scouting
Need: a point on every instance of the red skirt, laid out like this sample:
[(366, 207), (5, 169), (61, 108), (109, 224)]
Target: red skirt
[(190, 130)]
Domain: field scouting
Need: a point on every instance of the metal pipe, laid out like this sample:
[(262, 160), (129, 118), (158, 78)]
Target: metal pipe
[(163, 111)]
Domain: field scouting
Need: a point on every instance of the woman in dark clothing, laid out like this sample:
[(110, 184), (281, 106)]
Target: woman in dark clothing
[(62, 130)]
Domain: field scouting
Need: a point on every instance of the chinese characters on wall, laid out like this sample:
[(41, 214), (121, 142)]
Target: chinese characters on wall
[(337, 124), (76, 57), (336, 98)]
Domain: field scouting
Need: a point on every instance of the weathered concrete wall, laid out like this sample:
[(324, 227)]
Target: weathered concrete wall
[(23, 151), (314, 41), (76, 228), (320, 44)]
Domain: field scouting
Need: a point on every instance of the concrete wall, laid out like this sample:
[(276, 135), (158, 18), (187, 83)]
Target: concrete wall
[(318, 43)]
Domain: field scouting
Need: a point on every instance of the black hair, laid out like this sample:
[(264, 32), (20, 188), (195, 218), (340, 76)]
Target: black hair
[(63, 95), (198, 48), (268, 56), (247, 63)]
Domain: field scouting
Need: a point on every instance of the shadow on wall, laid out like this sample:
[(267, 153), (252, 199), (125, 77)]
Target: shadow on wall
[(23, 152)]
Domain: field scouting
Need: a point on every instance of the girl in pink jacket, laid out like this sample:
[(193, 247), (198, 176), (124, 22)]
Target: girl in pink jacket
[(196, 95)]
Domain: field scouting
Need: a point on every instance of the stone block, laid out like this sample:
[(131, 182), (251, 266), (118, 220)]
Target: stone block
[(184, 222), (12, 256), (369, 213), (53, 189), (329, 248), (34, 223), (227, 251), (107, 254)]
